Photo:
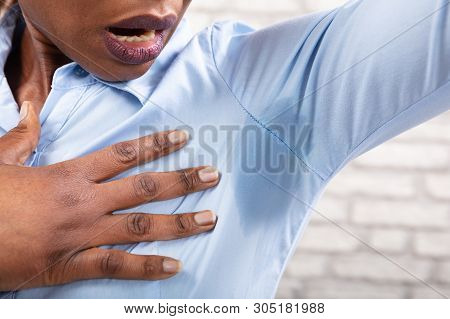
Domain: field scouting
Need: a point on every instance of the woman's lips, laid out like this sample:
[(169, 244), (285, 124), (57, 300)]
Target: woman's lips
[(135, 50), (138, 40)]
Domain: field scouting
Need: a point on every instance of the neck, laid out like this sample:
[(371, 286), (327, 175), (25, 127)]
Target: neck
[(30, 71)]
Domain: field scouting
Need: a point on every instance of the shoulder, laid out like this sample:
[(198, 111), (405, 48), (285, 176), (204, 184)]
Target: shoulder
[(223, 30), (219, 37)]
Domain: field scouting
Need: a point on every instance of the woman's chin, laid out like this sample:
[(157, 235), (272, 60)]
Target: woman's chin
[(122, 73)]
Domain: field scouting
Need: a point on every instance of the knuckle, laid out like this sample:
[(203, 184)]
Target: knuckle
[(125, 153), (183, 224), (188, 179), (19, 135), (159, 143), (62, 170), (70, 199), (53, 274), (68, 188), (20, 129), (145, 186), (139, 224), (68, 270), (150, 267), (59, 258), (110, 263), (76, 197)]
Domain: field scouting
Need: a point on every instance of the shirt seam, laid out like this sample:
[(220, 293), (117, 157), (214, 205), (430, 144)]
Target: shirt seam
[(62, 87), (257, 121), (380, 127)]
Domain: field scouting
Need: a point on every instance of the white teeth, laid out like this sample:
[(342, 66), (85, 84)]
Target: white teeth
[(132, 39), (147, 36)]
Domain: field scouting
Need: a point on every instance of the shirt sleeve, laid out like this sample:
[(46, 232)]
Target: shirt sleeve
[(335, 84)]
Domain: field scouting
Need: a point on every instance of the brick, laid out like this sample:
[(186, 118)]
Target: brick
[(401, 213), (289, 288), (248, 6), (305, 265), (438, 186), (432, 244), (349, 289), (287, 6), (378, 268), (410, 156), (211, 6), (327, 238), (432, 131), (389, 240), (331, 208), (257, 13), (199, 20), (434, 292), (315, 5), (443, 272), (372, 183)]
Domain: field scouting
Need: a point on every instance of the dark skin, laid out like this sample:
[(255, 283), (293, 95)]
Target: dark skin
[(72, 30), (30, 78), (53, 219)]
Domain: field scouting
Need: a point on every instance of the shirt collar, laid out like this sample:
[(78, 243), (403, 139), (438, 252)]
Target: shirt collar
[(7, 27), (9, 113), (143, 87)]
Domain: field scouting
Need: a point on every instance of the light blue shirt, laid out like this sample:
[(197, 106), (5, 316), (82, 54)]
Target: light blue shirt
[(283, 108)]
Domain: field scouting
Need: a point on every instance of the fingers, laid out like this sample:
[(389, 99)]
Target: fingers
[(147, 187), (133, 228), (98, 263), (95, 263), (17, 145), (120, 157)]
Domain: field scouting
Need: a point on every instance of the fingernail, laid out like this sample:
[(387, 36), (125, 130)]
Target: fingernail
[(171, 266), (206, 218), (24, 110), (208, 175), (178, 137)]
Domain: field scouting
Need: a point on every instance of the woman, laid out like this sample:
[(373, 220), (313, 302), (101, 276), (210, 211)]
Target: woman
[(57, 241), (286, 108)]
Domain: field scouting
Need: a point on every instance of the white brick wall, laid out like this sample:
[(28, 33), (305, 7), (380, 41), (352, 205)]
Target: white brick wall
[(401, 214), (394, 200)]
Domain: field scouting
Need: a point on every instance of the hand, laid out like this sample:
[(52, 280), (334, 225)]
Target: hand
[(52, 219)]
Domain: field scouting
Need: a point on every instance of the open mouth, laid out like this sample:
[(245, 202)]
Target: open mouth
[(133, 35), (140, 39)]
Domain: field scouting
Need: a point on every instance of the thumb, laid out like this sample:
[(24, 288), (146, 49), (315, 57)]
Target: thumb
[(17, 145)]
